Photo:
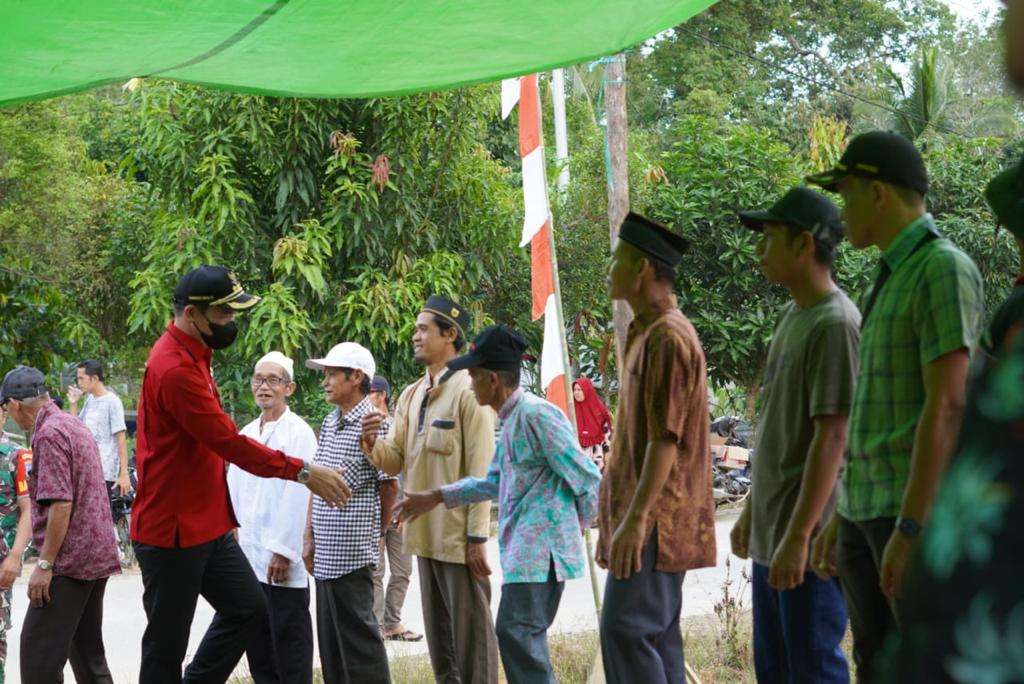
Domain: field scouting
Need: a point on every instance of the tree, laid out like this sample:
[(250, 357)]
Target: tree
[(342, 215)]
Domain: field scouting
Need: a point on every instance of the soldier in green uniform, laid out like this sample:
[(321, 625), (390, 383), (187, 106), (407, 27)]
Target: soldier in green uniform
[(15, 528)]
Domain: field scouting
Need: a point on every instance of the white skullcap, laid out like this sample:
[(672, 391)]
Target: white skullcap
[(281, 360)]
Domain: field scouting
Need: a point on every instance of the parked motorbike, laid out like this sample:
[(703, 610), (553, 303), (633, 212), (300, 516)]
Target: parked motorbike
[(121, 507), (730, 458)]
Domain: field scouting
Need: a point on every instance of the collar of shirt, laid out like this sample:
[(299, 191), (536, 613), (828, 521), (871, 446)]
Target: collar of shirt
[(510, 404), (271, 423), (907, 239), (341, 420), (48, 409), (647, 318), (196, 349)]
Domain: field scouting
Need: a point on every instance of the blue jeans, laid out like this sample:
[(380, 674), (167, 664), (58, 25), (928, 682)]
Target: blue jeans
[(797, 633), (525, 613)]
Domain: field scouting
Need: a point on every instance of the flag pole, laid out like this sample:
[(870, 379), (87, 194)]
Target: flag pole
[(561, 135), (567, 380)]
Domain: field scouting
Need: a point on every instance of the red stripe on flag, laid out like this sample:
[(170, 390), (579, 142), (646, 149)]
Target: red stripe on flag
[(529, 115), (542, 282), (556, 394)]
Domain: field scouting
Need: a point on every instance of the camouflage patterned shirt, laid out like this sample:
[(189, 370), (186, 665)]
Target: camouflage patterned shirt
[(13, 485)]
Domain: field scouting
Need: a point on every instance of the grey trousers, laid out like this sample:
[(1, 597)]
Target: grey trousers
[(640, 636), (460, 631), (387, 603), (525, 613)]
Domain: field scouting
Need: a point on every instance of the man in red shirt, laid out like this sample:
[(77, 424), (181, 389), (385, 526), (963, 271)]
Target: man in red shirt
[(182, 518)]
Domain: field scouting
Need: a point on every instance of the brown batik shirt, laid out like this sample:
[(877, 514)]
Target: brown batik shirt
[(663, 396)]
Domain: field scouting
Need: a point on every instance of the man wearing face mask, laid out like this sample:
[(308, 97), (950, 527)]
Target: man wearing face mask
[(182, 517)]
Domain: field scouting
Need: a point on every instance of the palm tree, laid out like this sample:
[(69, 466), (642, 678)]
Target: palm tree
[(926, 105)]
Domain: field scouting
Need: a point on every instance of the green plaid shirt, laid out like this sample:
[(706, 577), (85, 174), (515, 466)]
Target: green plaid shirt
[(931, 305)]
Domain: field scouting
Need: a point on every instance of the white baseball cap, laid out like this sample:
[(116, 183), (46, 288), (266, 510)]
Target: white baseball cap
[(281, 360), (346, 355)]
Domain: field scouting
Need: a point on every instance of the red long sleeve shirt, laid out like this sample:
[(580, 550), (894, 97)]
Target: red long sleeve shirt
[(183, 439)]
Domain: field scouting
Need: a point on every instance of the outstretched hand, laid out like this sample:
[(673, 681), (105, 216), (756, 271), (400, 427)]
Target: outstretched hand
[(416, 504), (328, 485)]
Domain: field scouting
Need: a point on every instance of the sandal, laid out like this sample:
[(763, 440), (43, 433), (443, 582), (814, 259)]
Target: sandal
[(404, 635)]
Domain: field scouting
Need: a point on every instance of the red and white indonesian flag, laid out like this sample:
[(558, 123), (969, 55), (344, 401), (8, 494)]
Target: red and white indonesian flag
[(537, 230)]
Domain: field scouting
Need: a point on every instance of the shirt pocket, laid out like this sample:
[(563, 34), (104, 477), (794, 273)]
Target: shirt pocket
[(441, 436)]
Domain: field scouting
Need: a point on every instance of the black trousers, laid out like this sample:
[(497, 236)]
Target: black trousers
[(69, 626), (173, 580), (280, 651), (640, 636), (351, 647), (873, 616)]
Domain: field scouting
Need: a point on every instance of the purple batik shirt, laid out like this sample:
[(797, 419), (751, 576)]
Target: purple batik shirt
[(66, 467)]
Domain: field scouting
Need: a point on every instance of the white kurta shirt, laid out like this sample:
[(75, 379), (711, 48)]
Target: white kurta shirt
[(272, 512)]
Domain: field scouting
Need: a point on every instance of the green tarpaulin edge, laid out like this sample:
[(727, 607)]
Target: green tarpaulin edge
[(678, 12)]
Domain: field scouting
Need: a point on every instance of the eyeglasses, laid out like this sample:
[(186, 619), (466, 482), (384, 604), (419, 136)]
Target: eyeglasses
[(271, 380)]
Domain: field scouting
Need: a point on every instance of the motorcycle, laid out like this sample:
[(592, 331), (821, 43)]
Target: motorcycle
[(730, 459), (121, 507)]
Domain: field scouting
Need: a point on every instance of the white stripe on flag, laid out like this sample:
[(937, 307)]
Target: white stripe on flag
[(535, 195), (509, 96), (552, 360)]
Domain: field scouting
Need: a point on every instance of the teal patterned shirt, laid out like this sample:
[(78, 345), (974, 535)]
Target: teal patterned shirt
[(931, 305), (546, 489)]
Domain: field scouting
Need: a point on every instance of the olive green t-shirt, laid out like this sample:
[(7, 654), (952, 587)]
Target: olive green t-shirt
[(811, 370)]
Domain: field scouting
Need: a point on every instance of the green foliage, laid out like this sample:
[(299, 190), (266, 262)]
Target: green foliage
[(345, 216), (713, 169)]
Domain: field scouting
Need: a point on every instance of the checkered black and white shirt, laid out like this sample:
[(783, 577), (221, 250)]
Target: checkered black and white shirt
[(347, 538)]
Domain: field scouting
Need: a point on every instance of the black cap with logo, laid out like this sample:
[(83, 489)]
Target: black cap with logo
[(497, 347), (803, 209), (213, 286), (879, 155), (653, 239), (450, 311), (22, 382)]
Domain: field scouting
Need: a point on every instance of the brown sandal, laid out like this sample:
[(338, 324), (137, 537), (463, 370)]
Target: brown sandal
[(407, 635)]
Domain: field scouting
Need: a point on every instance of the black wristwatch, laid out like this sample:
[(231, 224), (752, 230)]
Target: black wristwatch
[(908, 527)]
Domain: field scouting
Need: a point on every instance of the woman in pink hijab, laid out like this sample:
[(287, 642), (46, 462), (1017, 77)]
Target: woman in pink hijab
[(593, 422)]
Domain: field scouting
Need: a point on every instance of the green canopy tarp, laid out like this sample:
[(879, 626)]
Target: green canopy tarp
[(311, 48)]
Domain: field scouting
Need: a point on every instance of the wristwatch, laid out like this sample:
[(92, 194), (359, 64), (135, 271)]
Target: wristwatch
[(44, 564), (304, 473), (908, 527)]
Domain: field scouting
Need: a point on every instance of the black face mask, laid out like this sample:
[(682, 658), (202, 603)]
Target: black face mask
[(221, 336)]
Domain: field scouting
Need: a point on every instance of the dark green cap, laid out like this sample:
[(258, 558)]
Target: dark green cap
[(1005, 194)]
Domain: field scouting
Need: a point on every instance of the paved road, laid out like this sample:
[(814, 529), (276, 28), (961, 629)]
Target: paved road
[(124, 619)]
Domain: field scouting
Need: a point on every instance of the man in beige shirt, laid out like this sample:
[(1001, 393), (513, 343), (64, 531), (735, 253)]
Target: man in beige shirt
[(440, 435)]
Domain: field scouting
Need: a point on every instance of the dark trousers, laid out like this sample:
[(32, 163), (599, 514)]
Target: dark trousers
[(173, 580), (525, 613), (69, 626), (797, 633), (280, 650), (457, 615), (640, 636), (873, 617), (351, 648)]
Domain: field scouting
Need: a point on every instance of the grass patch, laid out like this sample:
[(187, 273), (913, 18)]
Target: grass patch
[(718, 654)]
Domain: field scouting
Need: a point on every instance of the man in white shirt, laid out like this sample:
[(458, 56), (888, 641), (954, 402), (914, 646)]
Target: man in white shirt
[(271, 515)]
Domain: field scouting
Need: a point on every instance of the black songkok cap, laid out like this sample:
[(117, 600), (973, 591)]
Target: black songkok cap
[(450, 311), (653, 239)]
